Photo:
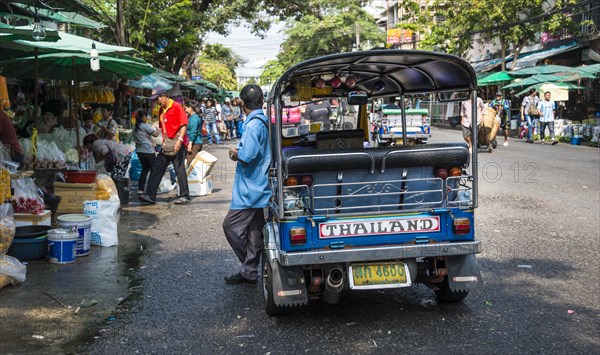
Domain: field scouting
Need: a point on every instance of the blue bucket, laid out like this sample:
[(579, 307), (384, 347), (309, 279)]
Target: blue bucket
[(82, 224), (576, 141), (62, 246)]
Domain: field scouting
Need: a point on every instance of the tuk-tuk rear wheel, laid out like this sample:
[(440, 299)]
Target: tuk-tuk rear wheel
[(266, 287), (446, 295)]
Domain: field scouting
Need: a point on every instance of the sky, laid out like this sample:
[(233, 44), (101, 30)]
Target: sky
[(255, 50), (258, 51)]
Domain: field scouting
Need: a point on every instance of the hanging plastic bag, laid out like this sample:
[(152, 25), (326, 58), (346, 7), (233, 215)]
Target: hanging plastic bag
[(26, 198), (104, 221)]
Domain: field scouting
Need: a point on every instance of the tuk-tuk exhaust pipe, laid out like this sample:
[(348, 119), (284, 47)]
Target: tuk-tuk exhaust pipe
[(333, 286)]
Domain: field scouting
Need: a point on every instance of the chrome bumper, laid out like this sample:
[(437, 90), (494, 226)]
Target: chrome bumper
[(378, 253)]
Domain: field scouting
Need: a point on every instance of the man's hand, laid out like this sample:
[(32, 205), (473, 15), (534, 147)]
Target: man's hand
[(233, 154), (177, 146), (189, 147)]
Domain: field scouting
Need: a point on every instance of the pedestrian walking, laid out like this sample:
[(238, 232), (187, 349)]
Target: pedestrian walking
[(251, 192), (116, 156), (194, 129), (466, 118), (529, 112), (227, 118), (237, 116), (502, 107), (547, 110), (210, 117), (173, 122), (144, 147)]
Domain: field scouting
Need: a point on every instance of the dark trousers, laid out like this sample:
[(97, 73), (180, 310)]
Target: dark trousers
[(243, 230), (148, 162), (162, 162), (196, 148), (230, 128)]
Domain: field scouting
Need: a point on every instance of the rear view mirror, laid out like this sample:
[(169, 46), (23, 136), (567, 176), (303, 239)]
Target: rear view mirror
[(358, 98)]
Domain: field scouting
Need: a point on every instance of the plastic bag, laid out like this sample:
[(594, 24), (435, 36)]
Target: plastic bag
[(104, 221), (166, 185), (11, 270), (135, 168), (106, 188), (26, 198), (7, 227)]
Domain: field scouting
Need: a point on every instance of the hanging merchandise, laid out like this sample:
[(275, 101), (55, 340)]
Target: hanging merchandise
[(96, 94)]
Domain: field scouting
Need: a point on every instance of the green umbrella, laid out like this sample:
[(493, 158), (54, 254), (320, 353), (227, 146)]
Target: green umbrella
[(494, 78), (75, 66), (10, 33), (170, 76), (207, 84), (540, 78), (543, 69)]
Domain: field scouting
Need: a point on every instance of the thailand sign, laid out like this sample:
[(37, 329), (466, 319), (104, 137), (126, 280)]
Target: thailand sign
[(374, 227)]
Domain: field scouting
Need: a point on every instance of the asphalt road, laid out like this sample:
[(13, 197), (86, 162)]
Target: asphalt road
[(538, 218)]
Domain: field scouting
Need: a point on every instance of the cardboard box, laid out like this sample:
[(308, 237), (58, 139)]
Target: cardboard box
[(200, 187), (201, 166), (73, 196), (29, 219)]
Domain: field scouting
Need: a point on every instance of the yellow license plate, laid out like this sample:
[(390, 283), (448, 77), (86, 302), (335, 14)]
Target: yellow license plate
[(379, 275)]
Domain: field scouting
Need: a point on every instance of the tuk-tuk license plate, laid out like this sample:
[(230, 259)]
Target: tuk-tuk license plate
[(379, 275)]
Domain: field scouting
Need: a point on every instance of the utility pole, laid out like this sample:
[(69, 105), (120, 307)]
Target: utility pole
[(357, 35)]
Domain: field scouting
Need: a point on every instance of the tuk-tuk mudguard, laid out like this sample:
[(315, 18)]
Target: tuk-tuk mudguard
[(289, 288), (463, 266)]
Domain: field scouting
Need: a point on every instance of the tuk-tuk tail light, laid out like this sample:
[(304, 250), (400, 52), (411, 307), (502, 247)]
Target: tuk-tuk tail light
[(297, 236), (461, 226)]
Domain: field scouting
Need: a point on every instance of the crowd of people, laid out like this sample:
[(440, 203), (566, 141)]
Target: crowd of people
[(183, 128), (532, 108)]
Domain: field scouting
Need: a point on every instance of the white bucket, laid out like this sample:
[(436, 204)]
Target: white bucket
[(62, 246), (83, 224), (514, 124)]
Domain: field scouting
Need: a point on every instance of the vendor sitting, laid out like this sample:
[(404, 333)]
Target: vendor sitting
[(116, 156)]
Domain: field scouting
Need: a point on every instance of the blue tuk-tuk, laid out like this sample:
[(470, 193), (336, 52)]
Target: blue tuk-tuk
[(347, 214)]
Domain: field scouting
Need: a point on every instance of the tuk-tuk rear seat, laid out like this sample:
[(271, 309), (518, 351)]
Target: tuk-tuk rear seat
[(376, 179), (306, 161)]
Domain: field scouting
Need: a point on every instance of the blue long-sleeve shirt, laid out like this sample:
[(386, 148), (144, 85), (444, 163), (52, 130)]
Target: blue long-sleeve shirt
[(194, 129)]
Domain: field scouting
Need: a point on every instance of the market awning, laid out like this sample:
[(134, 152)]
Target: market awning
[(543, 69), (543, 87), (593, 69), (486, 65), (75, 66), (530, 60)]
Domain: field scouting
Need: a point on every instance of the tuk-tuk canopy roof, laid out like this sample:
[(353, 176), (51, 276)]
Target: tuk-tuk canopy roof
[(402, 72)]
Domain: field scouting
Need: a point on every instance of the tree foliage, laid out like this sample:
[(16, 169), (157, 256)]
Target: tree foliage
[(330, 28), (220, 53), (218, 73), (168, 33), (510, 23)]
